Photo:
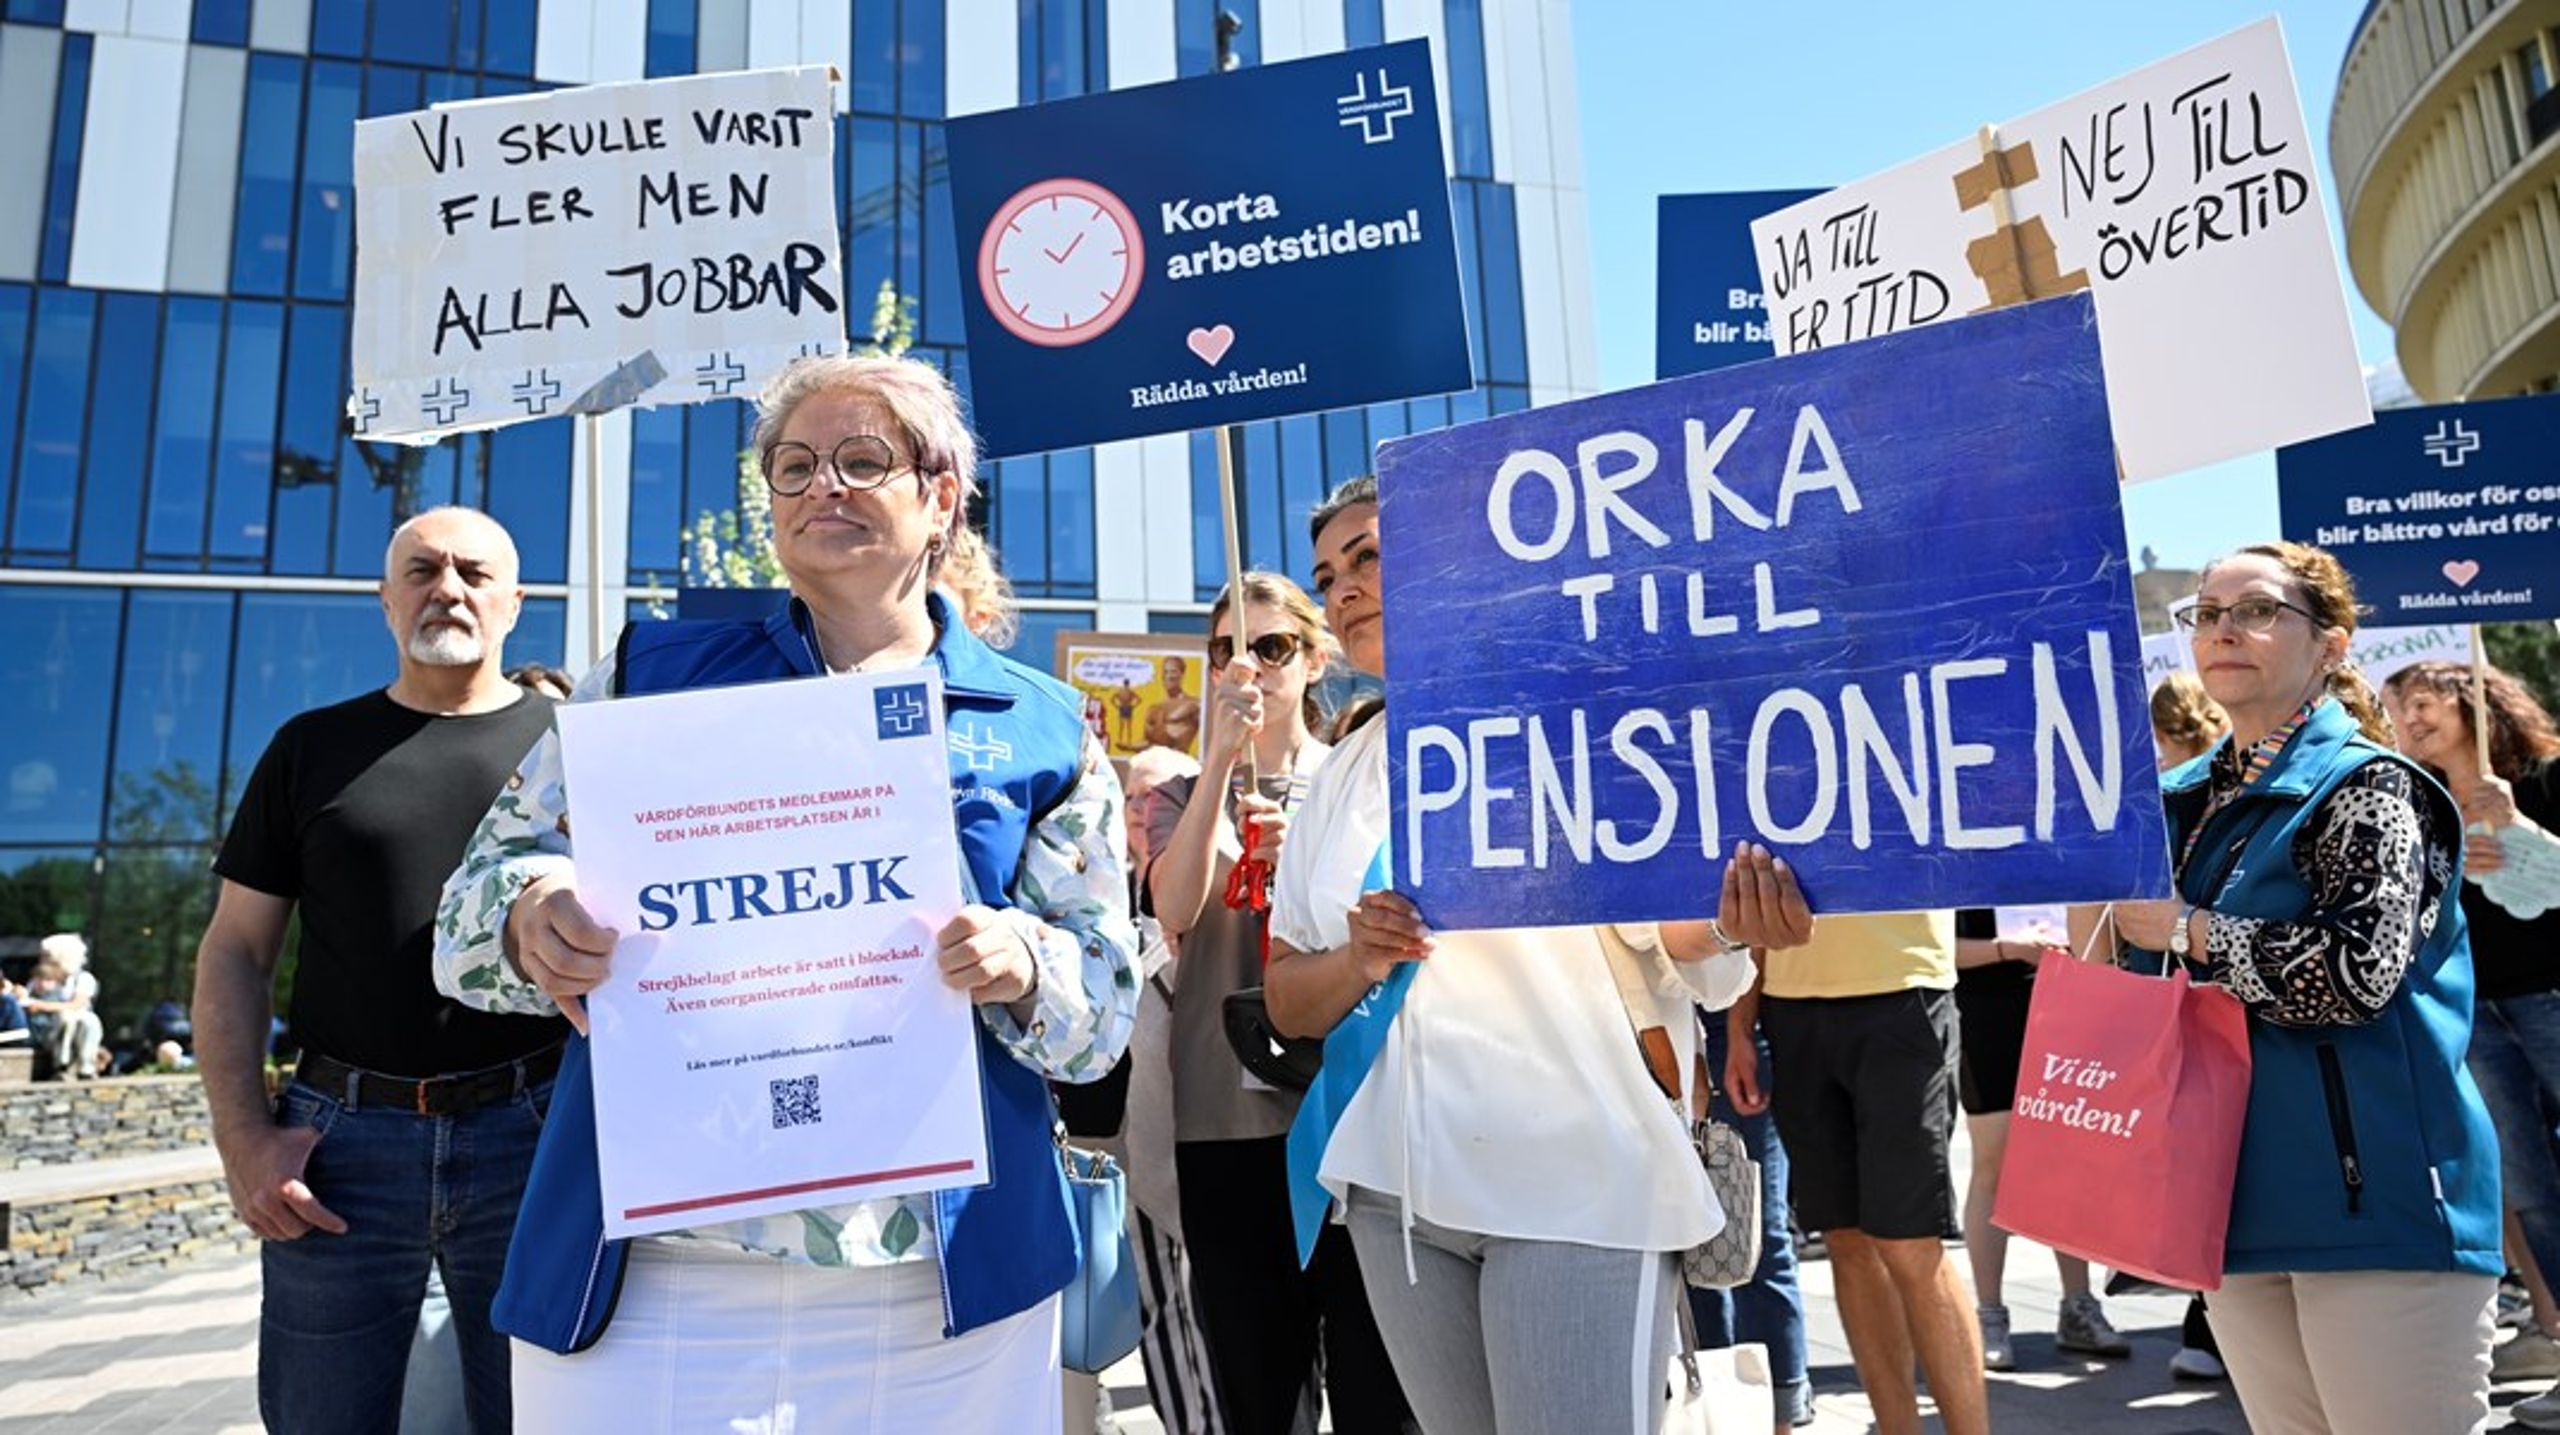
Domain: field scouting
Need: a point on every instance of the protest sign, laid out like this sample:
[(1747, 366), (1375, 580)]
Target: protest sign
[(1870, 607), (775, 1033), (590, 249), (2446, 513), (2376, 652), (1140, 690), (2186, 194), (1708, 309), (1274, 240)]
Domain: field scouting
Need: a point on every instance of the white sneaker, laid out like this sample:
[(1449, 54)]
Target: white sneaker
[(2542, 1412), (2193, 1364), (2530, 1356), (1997, 1353)]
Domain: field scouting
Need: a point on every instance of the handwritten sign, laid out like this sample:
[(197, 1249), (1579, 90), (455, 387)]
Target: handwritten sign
[(2185, 194), (774, 1034), (2376, 652), (590, 249), (1140, 690), (1870, 607), (1275, 240), (1708, 308), (2448, 513)]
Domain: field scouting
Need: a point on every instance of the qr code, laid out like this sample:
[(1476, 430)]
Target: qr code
[(795, 1102)]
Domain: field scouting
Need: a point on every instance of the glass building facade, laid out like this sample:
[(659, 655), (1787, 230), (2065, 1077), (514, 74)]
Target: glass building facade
[(189, 534)]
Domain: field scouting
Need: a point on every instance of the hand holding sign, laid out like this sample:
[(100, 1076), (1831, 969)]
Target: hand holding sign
[(559, 946)]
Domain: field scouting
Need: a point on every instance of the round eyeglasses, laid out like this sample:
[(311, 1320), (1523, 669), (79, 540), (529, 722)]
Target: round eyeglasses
[(862, 461)]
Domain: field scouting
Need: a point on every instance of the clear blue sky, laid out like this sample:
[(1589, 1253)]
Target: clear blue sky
[(1682, 96)]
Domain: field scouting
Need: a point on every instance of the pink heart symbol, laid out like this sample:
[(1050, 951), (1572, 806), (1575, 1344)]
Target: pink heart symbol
[(2462, 571), (1211, 344)]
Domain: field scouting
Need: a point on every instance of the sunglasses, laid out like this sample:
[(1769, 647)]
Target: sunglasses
[(1271, 650)]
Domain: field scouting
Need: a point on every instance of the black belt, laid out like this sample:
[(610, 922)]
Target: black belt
[(436, 1095)]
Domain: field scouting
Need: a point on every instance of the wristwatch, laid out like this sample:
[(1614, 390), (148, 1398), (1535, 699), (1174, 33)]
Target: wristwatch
[(2178, 942)]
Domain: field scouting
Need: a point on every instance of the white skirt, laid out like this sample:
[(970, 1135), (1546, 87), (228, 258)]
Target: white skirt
[(742, 1344)]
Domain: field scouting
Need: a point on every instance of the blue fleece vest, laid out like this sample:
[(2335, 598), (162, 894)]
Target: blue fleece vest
[(1016, 738), (2366, 1147)]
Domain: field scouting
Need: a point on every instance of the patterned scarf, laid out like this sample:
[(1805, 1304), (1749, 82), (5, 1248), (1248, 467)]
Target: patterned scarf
[(2250, 767)]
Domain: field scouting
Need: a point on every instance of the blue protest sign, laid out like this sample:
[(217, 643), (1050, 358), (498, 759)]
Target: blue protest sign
[(1868, 606), (2443, 514), (1274, 240), (1708, 310)]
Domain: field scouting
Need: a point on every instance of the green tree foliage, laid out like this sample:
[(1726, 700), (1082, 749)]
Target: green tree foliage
[(2531, 651)]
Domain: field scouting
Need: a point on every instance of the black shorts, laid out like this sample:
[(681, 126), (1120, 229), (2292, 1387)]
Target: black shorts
[(1993, 1002), (1863, 1089)]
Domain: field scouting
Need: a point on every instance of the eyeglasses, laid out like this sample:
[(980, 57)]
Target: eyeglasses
[(862, 462), (2249, 615), (1271, 649)]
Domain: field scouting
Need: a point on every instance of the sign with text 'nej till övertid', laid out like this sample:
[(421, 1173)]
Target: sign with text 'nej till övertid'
[(1274, 240), (2186, 194), (1870, 607), (2448, 513), (1708, 308), (658, 242)]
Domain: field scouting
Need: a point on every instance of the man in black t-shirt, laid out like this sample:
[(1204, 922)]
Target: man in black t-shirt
[(404, 1139)]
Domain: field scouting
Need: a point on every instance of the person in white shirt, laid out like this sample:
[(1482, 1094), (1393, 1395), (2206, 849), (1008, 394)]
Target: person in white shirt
[(1516, 1184)]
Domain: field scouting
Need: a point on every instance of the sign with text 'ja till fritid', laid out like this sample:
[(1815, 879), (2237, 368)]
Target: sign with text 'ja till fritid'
[(1274, 240), (1870, 607), (2185, 194), (2443, 514), (659, 242), (1709, 311)]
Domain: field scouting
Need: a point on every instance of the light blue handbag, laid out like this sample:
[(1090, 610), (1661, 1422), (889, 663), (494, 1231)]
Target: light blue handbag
[(1098, 1320)]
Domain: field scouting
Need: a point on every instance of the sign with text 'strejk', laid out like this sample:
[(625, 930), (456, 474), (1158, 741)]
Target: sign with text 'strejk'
[(1275, 240), (2448, 513), (658, 242), (1709, 309), (1869, 607)]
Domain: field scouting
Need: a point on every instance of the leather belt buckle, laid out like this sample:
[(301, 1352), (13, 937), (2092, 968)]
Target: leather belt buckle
[(421, 1092)]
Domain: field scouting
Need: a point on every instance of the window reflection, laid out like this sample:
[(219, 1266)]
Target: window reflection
[(57, 668)]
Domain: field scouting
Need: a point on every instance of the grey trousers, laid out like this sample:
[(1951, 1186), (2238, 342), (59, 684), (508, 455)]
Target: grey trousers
[(1507, 1337)]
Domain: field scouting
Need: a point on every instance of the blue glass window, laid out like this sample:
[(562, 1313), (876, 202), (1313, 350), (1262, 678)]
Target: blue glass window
[(244, 455), (1071, 519), (1346, 445), (62, 192), (47, 889), (1508, 398), (1470, 110), (875, 56), (1195, 40), (49, 444), (337, 26), (413, 32), (1021, 511), (299, 651), (1259, 514), (1506, 326), (1037, 641), (1057, 28), (671, 38), (17, 310), (222, 22), (542, 634), (529, 477), (325, 237), (270, 136), (714, 434), (1208, 530), (375, 481), (939, 307), (1097, 46), (920, 47), (1364, 22), (508, 37), (118, 451), (306, 464), (1469, 406), (57, 664), (1462, 210), (36, 12), (872, 180), (168, 757), (1302, 487), (657, 490), (1163, 622), (396, 89), (910, 210), (467, 47)]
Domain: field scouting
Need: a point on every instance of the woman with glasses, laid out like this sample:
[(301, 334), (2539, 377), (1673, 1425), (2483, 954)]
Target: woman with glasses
[(931, 1312), (1263, 1315), (2318, 877)]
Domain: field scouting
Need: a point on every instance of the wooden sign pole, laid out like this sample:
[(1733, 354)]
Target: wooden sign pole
[(1231, 471)]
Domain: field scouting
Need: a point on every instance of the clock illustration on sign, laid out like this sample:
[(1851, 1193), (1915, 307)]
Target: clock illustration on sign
[(1060, 262)]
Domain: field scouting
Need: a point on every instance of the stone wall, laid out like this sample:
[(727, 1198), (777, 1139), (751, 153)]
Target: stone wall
[(54, 1123), (102, 1236)]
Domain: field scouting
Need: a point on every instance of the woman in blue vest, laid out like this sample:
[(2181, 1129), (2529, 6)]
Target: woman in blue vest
[(2318, 881), (933, 1312)]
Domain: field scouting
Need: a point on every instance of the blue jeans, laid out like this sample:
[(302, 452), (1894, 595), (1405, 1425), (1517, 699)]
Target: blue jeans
[(340, 1312), (2515, 1058), (1770, 1309)]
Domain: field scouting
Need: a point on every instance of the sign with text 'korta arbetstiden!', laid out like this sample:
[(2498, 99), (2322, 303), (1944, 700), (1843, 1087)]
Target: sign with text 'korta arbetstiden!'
[(1869, 607), (2443, 514), (591, 249), (1274, 240)]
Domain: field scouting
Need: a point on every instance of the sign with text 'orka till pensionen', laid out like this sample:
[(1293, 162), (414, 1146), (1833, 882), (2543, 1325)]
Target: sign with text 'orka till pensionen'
[(1868, 606)]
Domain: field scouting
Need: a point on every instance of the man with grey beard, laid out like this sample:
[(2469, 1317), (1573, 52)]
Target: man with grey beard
[(403, 1140)]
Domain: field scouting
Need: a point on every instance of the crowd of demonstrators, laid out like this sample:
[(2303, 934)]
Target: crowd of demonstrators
[(2318, 877), (403, 1141), (2515, 1010), (839, 1313)]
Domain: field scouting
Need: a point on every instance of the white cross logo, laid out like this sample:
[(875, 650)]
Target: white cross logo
[(1391, 103), (982, 751), (901, 712), (2450, 449)]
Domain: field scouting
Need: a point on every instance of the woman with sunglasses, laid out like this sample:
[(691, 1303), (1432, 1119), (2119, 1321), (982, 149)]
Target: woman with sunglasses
[(2319, 876), (924, 1313), (1261, 1313)]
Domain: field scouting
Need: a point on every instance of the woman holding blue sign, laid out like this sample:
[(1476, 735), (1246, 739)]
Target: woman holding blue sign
[(925, 1313), (2318, 880), (1516, 1183)]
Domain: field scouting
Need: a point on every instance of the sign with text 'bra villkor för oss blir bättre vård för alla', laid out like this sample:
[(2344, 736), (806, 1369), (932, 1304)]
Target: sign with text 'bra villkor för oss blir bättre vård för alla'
[(1274, 240)]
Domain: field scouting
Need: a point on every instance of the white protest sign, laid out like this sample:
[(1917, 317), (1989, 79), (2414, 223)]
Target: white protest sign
[(2163, 654), (2378, 652), (775, 1033), (657, 242), (2185, 194)]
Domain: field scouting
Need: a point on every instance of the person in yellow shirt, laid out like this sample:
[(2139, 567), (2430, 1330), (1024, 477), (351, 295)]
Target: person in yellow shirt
[(1861, 1023)]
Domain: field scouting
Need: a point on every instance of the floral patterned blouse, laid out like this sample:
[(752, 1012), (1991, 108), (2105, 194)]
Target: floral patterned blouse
[(1073, 913)]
